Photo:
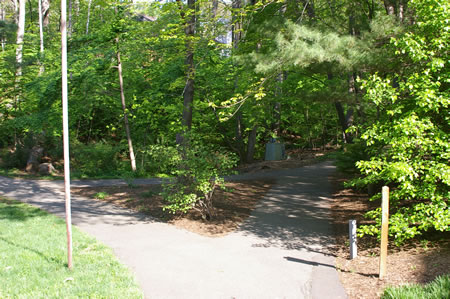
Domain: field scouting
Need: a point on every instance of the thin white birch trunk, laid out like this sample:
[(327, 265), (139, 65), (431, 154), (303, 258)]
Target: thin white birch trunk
[(19, 49), (19, 40), (125, 114), (41, 37), (88, 16)]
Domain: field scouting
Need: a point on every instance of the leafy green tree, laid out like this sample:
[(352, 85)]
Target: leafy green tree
[(409, 145)]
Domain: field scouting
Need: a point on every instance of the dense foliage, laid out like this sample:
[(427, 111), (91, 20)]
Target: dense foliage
[(408, 144)]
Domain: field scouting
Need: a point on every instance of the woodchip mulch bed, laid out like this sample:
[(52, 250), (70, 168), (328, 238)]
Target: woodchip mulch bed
[(232, 205), (419, 261)]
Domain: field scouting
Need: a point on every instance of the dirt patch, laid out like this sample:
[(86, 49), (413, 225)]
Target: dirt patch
[(416, 262), (233, 205)]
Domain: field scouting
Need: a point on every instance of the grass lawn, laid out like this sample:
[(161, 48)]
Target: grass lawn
[(33, 259), (437, 289)]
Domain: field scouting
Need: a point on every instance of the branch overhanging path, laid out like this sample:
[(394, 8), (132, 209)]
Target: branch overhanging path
[(281, 250)]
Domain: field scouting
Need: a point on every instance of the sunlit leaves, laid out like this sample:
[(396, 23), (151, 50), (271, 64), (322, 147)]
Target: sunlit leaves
[(409, 144)]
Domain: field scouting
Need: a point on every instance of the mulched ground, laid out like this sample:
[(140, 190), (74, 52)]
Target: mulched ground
[(232, 205), (420, 261)]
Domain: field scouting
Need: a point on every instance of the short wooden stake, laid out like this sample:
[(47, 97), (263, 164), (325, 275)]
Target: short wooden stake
[(352, 239), (384, 230)]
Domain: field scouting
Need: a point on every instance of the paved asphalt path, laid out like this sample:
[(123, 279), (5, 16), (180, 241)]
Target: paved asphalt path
[(280, 251)]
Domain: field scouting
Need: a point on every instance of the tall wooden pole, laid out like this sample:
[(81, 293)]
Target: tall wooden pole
[(384, 230), (66, 131)]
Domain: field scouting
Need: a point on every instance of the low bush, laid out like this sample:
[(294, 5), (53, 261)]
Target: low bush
[(197, 173)]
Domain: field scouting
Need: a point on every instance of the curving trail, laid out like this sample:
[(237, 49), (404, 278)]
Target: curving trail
[(280, 251)]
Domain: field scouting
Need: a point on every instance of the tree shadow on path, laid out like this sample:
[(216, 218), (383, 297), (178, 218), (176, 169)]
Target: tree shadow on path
[(295, 214)]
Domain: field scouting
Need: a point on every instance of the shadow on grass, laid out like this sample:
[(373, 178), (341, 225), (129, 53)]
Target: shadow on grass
[(14, 211), (45, 257)]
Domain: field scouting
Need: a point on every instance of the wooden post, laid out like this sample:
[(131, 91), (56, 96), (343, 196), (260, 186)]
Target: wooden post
[(384, 230), (66, 131), (352, 238)]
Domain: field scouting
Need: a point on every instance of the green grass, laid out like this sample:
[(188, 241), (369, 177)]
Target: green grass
[(437, 289), (33, 259), (101, 195)]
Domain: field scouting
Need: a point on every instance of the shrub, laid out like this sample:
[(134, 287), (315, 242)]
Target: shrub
[(198, 172), (409, 145)]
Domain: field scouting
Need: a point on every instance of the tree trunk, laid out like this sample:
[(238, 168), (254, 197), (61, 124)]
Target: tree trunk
[(124, 108), (396, 8), (41, 39), (45, 12), (309, 6), (345, 120), (236, 26), (389, 5), (276, 124), (2, 18), (188, 93), (215, 6), (88, 16), (30, 7), (251, 144), (77, 7), (19, 40), (239, 129), (16, 11), (19, 49), (401, 11), (69, 24), (239, 137)]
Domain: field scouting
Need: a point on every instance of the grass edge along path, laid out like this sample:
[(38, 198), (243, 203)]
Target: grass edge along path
[(33, 260), (437, 289)]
